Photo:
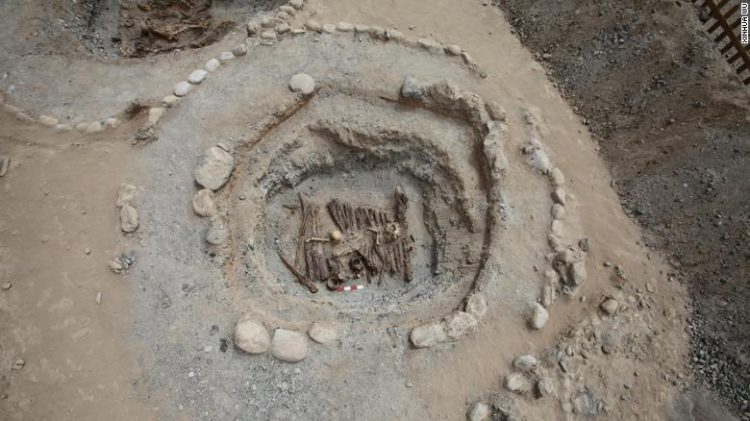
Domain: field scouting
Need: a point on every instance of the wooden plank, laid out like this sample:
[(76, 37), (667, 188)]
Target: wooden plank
[(733, 39)]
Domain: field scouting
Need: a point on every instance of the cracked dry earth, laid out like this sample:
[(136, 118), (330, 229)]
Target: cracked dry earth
[(141, 248)]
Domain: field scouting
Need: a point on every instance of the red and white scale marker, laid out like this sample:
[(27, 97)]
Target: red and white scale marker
[(350, 288)]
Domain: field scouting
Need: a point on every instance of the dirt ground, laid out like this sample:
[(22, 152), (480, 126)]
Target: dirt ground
[(78, 341), (671, 120)]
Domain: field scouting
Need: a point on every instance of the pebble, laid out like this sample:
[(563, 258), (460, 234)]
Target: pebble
[(181, 88), (344, 27), (322, 334), (93, 127), (7, 285), (266, 22), (461, 324), (427, 335), (197, 76), (557, 177), (302, 83), (393, 34), (214, 168), (240, 50), (556, 227), (609, 306), (558, 211), (251, 336), (212, 65), (125, 195), (203, 203), (87, 251), (453, 50), (218, 231), (578, 272), (525, 362), (480, 411), (539, 316), (545, 387), (226, 56), (329, 28), (283, 28), (412, 88), (559, 196), (128, 218), (476, 305), (297, 4), (313, 25), (361, 28), (288, 9), (377, 32), (539, 160), (517, 382), (288, 345), (109, 123), (99, 297)]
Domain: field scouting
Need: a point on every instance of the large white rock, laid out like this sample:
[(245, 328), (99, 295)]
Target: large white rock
[(212, 65), (302, 83), (480, 411), (181, 88), (214, 168), (197, 76), (525, 362), (251, 336), (539, 316), (322, 334), (461, 324), (288, 345), (427, 335), (203, 203)]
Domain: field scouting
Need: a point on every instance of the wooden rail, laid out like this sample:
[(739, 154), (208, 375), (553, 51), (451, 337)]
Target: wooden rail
[(727, 35)]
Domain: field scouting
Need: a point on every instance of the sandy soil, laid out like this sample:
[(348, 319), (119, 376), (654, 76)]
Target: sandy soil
[(154, 348)]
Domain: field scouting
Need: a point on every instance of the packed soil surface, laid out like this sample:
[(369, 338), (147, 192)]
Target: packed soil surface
[(532, 294), (672, 121)]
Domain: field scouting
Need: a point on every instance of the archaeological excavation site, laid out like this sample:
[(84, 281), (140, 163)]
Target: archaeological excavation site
[(483, 210)]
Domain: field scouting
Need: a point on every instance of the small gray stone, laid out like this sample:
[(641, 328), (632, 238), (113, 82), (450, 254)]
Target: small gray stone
[(239, 50), (525, 362), (218, 231), (203, 203), (322, 334), (479, 411), (154, 115), (251, 336), (7, 285), (361, 28), (302, 83), (609, 306), (329, 28), (517, 382), (288, 345), (128, 218), (556, 227), (214, 169), (181, 88), (252, 28), (427, 335), (461, 324), (48, 121), (578, 272), (283, 28), (430, 45), (197, 76), (539, 316), (412, 88), (297, 4)]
